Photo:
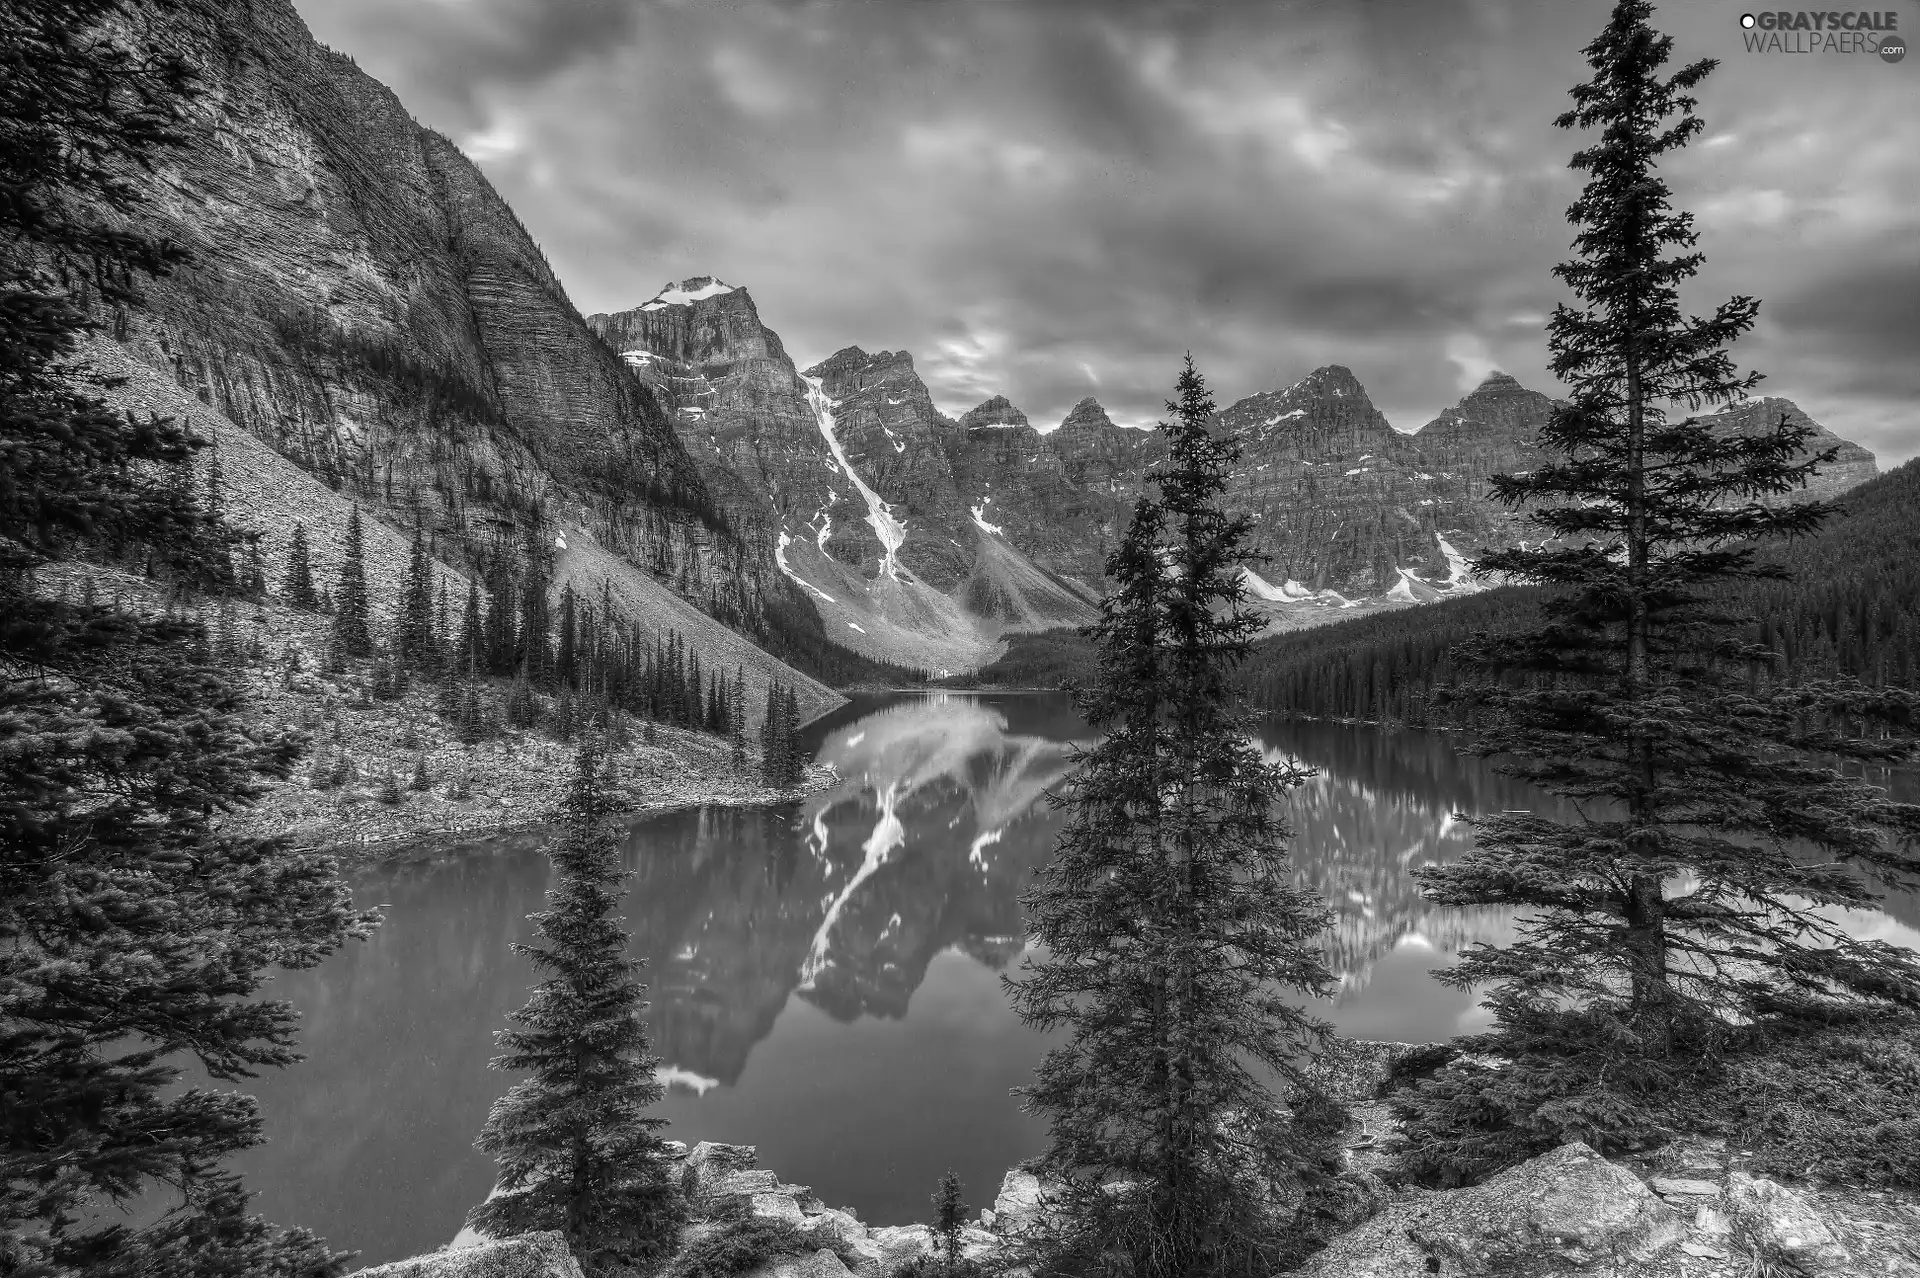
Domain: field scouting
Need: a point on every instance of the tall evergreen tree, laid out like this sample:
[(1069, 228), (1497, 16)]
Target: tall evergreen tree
[(949, 1218), (578, 1151), (1172, 927), (535, 651), (413, 627), (131, 932), (564, 658), (350, 594), (792, 762), (469, 649), (769, 736), (737, 720), (1664, 931), (502, 637)]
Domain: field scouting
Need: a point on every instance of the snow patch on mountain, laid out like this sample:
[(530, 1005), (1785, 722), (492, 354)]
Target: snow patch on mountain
[(680, 295), (1264, 589), (980, 516), (1456, 563), (780, 558), (891, 532)]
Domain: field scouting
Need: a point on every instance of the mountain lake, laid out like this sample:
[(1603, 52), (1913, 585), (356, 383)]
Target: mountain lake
[(824, 977)]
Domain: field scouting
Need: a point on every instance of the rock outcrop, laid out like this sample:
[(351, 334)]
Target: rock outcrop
[(1678, 1211), (542, 1255)]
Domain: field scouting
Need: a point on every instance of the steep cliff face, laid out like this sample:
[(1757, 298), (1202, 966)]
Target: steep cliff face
[(1100, 457), (363, 302), (1330, 486), (887, 434), (733, 396)]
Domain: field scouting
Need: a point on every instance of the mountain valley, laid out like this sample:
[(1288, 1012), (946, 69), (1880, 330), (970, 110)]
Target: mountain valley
[(364, 305)]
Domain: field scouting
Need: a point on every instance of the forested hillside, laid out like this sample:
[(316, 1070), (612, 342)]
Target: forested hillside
[(1852, 607)]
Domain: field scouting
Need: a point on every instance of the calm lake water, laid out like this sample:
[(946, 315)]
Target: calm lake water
[(824, 977)]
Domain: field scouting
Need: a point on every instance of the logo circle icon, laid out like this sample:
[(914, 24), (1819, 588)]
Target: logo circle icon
[(1892, 48), (1747, 20)]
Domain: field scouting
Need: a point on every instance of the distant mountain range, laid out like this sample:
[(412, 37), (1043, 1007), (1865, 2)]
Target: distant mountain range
[(366, 306), (924, 539)]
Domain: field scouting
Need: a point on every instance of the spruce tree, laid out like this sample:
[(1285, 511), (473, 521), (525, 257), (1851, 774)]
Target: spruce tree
[(350, 594), (737, 721), (413, 627), (535, 651), (1673, 923), (1171, 925), (949, 1218), (470, 648), (769, 726), (578, 1151), (254, 580), (792, 763), (563, 655), (499, 657), (298, 589), (131, 932)]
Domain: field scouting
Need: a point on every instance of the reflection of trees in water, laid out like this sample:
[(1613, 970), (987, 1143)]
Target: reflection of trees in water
[(924, 846), (1380, 805)]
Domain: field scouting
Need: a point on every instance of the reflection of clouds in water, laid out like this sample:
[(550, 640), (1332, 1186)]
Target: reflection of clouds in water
[(673, 1076), (915, 745), (928, 749)]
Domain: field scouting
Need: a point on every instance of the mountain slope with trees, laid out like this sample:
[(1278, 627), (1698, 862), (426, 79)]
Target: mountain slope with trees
[(1851, 607)]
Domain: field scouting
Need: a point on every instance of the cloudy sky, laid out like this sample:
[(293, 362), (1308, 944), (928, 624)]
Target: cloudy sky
[(1056, 198)]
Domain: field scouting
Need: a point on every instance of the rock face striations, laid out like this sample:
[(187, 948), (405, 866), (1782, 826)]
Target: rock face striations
[(363, 302)]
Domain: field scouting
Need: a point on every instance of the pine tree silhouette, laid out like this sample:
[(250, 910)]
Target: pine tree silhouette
[(117, 744), (1170, 919), (1633, 697), (298, 589), (577, 1149), (350, 595)]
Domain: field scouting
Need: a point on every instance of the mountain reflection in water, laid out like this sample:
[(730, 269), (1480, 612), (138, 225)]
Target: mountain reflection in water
[(824, 977)]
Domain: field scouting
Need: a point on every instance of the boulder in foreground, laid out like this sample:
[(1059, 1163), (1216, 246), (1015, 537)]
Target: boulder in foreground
[(541, 1255)]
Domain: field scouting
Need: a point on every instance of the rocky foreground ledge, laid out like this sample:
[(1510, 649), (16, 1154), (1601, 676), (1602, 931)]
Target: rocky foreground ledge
[(1688, 1210)]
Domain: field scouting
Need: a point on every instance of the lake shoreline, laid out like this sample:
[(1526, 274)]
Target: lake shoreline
[(431, 841)]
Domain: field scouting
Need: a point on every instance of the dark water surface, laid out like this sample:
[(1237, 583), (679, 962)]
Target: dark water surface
[(824, 977)]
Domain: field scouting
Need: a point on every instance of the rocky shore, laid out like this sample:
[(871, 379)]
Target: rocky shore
[(511, 783), (1688, 1210)]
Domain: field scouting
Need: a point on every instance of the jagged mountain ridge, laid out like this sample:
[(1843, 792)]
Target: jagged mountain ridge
[(918, 534), (805, 456), (363, 303)]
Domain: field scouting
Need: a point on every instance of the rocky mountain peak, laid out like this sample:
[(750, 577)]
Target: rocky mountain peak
[(697, 289), (997, 411), (1087, 415)]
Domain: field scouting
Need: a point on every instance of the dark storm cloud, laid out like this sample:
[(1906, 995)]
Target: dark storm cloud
[(1059, 198)]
